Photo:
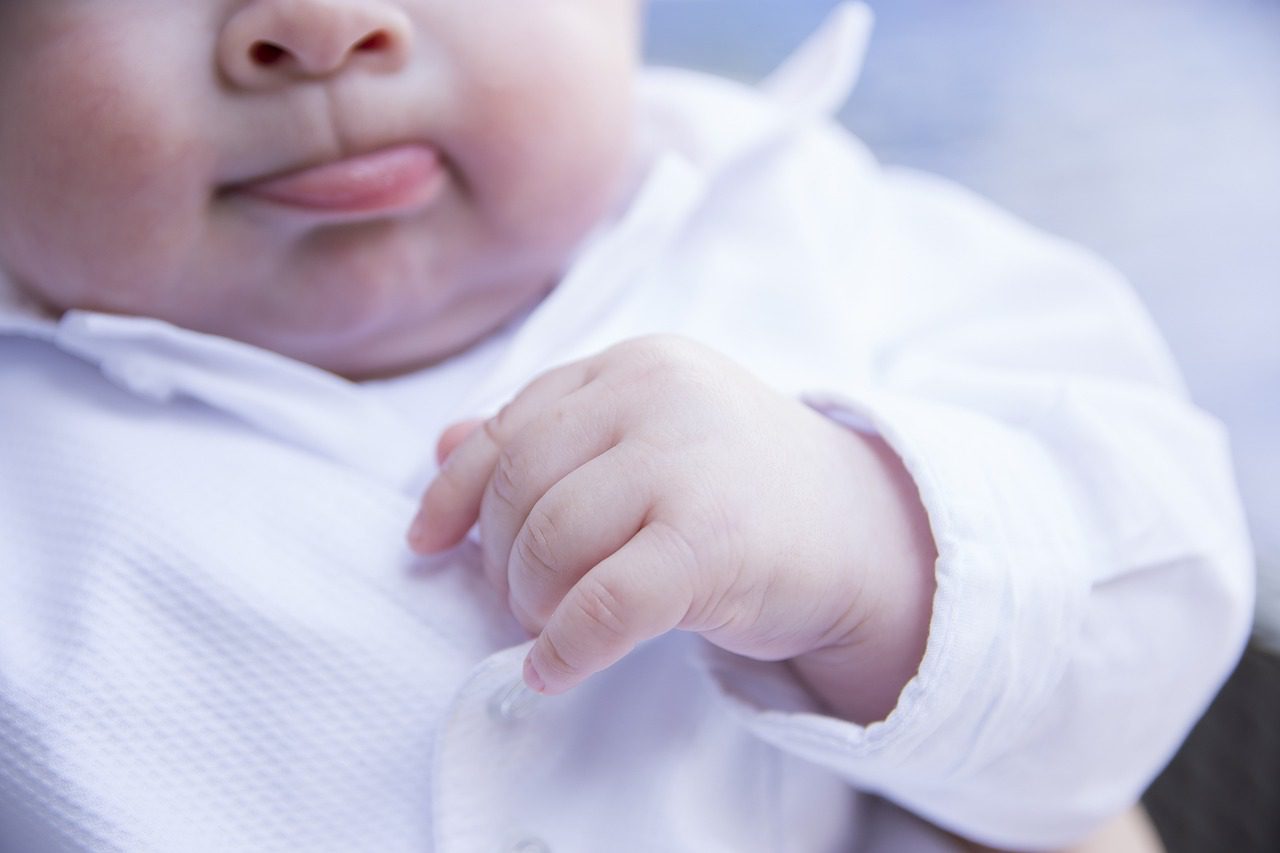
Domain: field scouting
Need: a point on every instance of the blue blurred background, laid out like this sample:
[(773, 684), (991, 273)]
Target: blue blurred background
[(1148, 130)]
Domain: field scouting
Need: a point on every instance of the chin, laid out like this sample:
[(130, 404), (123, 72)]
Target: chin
[(386, 338), (387, 307), (354, 346)]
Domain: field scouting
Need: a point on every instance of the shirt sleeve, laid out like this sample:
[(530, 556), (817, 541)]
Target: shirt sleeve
[(1095, 580)]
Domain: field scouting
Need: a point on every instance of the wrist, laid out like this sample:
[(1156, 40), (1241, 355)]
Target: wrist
[(860, 674)]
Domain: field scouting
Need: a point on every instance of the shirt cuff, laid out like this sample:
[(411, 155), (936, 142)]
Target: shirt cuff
[(1010, 591)]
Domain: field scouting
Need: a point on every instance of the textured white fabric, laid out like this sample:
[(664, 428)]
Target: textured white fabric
[(213, 638)]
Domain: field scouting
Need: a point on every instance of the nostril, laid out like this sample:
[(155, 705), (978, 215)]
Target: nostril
[(266, 53), (311, 57), (375, 42)]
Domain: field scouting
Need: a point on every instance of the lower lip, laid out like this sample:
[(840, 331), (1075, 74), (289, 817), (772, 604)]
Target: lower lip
[(394, 180)]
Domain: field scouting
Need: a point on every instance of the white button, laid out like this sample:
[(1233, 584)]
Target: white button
[(530, 845), (512, 704)]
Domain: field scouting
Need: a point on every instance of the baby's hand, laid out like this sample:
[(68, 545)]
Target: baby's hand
[(659, 485)]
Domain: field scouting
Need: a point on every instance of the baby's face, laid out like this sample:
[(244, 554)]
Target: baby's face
[(367, 185)]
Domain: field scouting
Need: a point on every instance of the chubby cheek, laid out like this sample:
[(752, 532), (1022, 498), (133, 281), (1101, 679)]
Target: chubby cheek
[(550, 137), (103, 188)]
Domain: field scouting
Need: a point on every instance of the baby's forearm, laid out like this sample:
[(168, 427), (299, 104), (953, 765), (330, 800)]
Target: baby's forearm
[(861, 676)]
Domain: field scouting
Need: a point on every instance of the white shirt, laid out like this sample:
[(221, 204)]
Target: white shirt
[(213, 638)]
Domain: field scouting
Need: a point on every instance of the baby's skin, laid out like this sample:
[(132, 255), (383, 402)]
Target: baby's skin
[(226, 165), (369, 186), (659, 486), (372, 185)]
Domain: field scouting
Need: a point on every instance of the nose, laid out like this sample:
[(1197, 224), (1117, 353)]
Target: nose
[(270, 43)]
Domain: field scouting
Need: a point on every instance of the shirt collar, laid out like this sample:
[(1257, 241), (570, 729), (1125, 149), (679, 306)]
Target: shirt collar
[(719, 126), (685, 124)]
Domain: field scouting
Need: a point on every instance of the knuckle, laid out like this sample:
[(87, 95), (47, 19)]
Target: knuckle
[(652, 351), (536, 545), (663, 345), (601, 611), (702, 581), (558, 415), (498, 427), (553, 660), (668, 365), (506, 476), (676, 545)]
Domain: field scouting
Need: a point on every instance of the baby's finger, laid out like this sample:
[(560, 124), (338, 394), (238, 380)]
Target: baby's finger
[(644, 590), (455, 435), (582, 519), (565, 435), (452, 501)]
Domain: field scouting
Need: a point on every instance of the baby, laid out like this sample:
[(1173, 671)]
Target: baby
[(810, 481)]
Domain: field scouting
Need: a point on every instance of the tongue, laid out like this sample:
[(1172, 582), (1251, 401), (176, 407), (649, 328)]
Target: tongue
[(370, 180)]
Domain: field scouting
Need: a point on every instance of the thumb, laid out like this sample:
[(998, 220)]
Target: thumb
[(454, 436)]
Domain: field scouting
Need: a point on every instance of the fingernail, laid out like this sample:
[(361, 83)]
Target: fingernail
[(532, 678)]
